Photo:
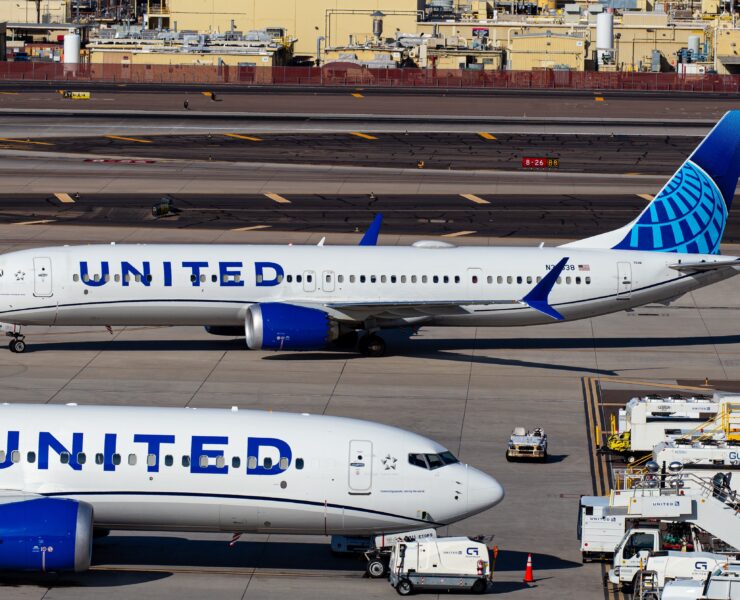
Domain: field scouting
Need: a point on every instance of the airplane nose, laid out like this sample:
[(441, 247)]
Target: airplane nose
[(483, 491)]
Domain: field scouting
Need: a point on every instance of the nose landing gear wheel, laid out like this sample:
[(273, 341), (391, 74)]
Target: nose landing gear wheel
[(372, 345), (17, 346)]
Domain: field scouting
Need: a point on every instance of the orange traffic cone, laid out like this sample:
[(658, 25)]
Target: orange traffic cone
[(528, 574)]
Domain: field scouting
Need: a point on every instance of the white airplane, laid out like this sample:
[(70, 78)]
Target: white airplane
[(305, 297), (66, 471)]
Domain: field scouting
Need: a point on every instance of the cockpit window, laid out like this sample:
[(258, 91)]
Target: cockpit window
[(432, 461)]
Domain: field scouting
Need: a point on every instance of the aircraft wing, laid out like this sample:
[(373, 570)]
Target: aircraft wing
[(707, 266), (360, 311)]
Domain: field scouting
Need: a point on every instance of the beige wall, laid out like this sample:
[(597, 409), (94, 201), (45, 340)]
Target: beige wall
[(303, 19), (725, 40), (23, 11), (527, 53)]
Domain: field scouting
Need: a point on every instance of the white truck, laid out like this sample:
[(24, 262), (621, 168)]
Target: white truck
[(721, 584), (528, 445), (702, 458), (379, 554), (598, 531), (454, 563), (649, 420), (652, 540)]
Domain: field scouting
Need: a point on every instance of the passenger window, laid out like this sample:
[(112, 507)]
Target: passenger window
[(220, 462), (328, 279), (299, 463), (96, 277), (568, 280), (138, 278), (588, 281), (351, 278), (403, 278), (509, 279), (116, 278), (499, 279), (31, 457), (236, 462), (539, 278), (75, 277), (192, 278), (169, 460), (99, 458), (560, 279), (340, 278), (373, 279), (81, 458), (185, 460), (289, 278), (418, 460), (15, 456), (298, 278), (578, 280), (267, 463), (309, 278), (457, 279), (251, 462), (116, 459), (132, 460), (383, 279), (283, 463), (107, 277), (214, 278), (362, 279), (202, 278), (148, 278), (2, 456), (393, 279), (446, 279), (519, 279), (85, 277), (203, 461), (64, 458), (435, 279), (151, 460), (127, 278), (424, 279), (474, 279), (529, 279), (413, 279)]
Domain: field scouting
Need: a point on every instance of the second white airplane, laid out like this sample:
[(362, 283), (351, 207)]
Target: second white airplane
[(307, 297)]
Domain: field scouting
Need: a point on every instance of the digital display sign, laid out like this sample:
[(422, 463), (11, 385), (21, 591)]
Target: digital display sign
[(542, 162)]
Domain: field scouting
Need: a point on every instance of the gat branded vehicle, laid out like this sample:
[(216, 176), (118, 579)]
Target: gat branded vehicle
[(67, 470), (299, 297)]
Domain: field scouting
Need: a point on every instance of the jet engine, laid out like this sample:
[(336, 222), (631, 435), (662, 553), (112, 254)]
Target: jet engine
[(45, 534), (277, 326)]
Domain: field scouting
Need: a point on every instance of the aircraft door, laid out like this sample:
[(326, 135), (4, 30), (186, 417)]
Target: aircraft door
[(42, 276), (309, 281), (360, 466), (624, 280), (327, 283)]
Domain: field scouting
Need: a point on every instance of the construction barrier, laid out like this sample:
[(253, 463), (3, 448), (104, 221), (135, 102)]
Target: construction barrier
[(348, 75)]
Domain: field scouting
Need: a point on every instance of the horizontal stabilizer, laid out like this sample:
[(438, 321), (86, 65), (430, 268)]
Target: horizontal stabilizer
[(707, 266), (538, 298)]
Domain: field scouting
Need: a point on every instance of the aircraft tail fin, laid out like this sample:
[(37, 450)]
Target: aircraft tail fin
[(690, 212)]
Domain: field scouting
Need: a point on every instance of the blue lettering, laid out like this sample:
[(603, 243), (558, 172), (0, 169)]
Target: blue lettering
[(195, 268), (109, 449), (262, 280), (13, 437), (46, 441), (167, 273), (197, 451), (127, 270), (85, 275), (227, 277), (253, 449), (153, 443)]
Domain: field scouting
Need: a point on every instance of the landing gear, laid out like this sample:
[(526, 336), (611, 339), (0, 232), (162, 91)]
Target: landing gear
[(17, 344), (372, 345), (377, 568)]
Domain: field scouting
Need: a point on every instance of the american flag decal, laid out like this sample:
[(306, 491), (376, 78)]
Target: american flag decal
[(584, 268)]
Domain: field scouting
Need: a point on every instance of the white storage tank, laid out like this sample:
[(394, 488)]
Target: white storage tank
[(694, 43), (72, 48), (605, 37)]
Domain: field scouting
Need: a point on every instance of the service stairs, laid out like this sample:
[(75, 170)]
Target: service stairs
[(684, 498)]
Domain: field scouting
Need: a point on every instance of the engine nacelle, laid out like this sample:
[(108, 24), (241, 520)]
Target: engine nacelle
[(45, 534), (277, 326)]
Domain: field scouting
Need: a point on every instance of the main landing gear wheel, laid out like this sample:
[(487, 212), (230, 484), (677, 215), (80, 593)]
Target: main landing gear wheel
[(405, 587), (17, 346), (372, 345)]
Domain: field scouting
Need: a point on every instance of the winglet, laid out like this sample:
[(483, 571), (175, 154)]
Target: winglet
[(538, 297), (371, 235)]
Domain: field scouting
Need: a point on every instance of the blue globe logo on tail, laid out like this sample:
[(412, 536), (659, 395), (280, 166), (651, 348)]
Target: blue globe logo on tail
[(689, 216)]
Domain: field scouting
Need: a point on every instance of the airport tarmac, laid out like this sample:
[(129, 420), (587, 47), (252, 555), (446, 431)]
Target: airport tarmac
[(466, 387)]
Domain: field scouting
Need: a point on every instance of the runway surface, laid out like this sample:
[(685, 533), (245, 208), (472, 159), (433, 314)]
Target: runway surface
[(529, 216), (466, 387), (484, 150), (369, 102)]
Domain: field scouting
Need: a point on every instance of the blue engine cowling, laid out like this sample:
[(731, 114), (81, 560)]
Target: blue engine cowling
[(277, 326), (45, 534)]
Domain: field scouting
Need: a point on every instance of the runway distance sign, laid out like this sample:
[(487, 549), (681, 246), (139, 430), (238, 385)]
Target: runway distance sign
[(529, 162)]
